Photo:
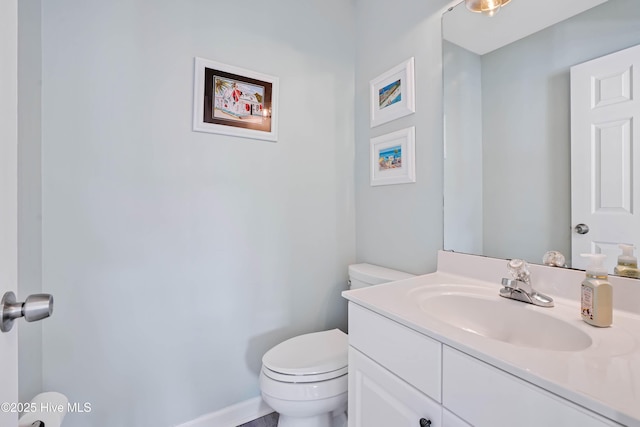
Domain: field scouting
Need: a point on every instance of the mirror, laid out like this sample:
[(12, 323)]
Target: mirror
[(507, 120)]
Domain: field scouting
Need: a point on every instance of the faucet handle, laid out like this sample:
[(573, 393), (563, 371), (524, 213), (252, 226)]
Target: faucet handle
[(554, 259), (519, 269)]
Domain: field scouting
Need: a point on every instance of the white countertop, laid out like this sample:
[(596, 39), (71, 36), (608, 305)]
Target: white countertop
[(604, 378)]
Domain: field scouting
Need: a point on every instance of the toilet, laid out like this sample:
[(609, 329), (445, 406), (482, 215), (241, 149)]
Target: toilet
[(304, 378)]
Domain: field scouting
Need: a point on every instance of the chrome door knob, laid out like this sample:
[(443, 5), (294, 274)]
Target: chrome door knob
[(582, 228), (35, 307)]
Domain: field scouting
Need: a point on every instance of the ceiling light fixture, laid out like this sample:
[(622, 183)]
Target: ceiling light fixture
[(486, 7)]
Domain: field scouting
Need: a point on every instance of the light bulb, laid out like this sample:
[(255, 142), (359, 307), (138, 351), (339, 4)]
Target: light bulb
[(486, 7), (490, 7)]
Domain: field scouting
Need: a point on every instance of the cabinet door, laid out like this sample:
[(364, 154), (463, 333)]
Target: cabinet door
[(377, 398), (450, 420)]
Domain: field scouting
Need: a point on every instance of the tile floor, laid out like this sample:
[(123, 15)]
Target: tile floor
[(270, 420)]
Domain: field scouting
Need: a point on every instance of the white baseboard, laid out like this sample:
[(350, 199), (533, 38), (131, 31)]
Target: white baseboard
[(232, 416)]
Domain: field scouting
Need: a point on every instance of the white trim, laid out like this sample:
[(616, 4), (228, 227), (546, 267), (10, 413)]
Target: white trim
[(232, 416), (9, 196)]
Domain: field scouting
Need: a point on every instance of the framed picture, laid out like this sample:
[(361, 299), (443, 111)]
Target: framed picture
[(233, 101), (393, 94), (393, 158)]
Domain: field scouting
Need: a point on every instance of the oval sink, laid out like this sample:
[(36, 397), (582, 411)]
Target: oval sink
[(506, 321)]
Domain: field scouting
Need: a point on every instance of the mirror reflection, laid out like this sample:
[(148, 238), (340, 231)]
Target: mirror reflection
[(508, 96)]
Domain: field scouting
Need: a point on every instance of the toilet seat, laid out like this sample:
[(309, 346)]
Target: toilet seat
[(303, 392), (311, 378), (318, 356)]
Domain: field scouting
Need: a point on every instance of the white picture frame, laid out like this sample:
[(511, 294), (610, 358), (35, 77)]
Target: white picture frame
[(392, 94), (393, 158), (230, 100)]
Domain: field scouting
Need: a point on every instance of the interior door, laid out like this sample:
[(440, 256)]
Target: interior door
[(605, 155), (8, 201)]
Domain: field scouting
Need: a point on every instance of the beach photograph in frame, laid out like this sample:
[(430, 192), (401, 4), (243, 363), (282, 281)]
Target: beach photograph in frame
[(234, 101), (392, 94), (393, 158)]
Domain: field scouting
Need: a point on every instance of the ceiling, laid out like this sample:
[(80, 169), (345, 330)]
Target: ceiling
[(516, 20)]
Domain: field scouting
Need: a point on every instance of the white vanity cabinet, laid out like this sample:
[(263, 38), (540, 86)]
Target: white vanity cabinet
[(398, 377), (379, 398), (394, 373), (449, 419), (486, 396)]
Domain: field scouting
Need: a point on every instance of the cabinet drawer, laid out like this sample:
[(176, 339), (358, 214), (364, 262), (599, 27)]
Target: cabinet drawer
[(377, 398), (414, 357), (471, 387)]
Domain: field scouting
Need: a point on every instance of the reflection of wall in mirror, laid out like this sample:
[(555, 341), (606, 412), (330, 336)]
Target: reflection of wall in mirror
[(463, 156), (526, 165)]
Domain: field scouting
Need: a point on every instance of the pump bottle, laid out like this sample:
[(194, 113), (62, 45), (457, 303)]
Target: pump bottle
[(627, 263), (596, 293)]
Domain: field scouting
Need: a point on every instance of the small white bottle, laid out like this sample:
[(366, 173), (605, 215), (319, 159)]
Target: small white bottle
[(627, 263), (596, 293)]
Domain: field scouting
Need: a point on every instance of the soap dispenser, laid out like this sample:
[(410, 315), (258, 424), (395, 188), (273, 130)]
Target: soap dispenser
[(627, 263), (596, 293)]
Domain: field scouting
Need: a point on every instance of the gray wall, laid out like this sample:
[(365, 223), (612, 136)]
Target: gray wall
[(463, 193), (400, 226), (177, 258), (527, 164)]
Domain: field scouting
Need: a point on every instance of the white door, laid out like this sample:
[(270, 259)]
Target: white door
[(605, 155), (8, 200)]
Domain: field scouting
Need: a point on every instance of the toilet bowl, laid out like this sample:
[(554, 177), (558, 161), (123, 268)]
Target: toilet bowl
[(305, 378)]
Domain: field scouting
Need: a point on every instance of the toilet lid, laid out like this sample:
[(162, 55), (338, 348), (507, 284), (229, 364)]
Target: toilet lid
[(309, 354)]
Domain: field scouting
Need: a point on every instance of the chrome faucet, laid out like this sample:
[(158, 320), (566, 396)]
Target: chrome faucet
[(519, 287)]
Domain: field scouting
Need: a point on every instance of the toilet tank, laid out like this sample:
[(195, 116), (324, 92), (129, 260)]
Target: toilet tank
[(361, 275)]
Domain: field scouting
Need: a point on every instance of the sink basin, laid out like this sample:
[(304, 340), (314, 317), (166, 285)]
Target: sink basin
[(505, 320)]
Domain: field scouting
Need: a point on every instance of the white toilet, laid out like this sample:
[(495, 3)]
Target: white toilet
[(304, 378)]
